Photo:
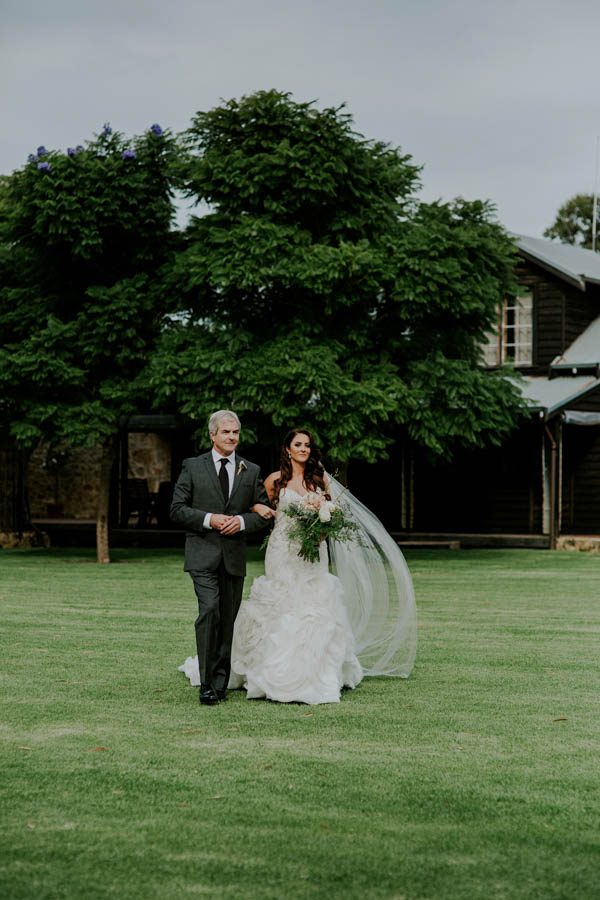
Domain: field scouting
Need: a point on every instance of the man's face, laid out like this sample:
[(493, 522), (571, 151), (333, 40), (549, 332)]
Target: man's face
[(227, 437)]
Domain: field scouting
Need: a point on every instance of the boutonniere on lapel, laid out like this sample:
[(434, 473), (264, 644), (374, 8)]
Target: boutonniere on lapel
[(241, 468)]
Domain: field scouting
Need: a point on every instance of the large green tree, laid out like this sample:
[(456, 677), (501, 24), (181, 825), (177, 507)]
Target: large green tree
[(316, 289), (574, 222), (83, 236)]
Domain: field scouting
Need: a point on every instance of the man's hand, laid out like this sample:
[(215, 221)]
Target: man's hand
[(218, 521), (232, 526)]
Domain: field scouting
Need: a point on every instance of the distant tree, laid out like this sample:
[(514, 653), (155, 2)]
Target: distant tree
[(573, 223), (83, 235), (317, 289)]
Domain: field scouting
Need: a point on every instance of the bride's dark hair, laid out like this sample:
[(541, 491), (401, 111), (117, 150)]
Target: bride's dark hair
[(314, 473)]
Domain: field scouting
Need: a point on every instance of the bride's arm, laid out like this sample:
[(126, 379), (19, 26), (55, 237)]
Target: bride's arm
[(265, 511)]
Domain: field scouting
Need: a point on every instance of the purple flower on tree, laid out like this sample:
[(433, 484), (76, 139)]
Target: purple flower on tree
[(71, 151), (128, 154), (41, 151), (106, 129), (44, 166), (32, 158), (156, 129)]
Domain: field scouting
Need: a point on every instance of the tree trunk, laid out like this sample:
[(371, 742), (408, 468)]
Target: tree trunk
[(109, 450)]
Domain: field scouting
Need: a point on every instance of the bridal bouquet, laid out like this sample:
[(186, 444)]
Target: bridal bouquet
[(316, 518)]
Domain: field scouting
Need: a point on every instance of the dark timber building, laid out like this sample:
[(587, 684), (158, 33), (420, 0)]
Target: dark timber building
[(542, 487)]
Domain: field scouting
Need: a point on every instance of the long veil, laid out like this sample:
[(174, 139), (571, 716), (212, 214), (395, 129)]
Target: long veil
[(378, 591)]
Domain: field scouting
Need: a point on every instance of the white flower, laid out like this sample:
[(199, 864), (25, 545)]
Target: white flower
[(325, 512), (313, 502)]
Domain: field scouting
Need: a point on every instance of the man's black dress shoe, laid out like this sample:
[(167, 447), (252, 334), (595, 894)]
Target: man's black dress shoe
[(221, 694), (208, 695)]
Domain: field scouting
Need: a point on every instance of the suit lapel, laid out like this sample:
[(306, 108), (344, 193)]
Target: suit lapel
[(212, 472), (237, 478)]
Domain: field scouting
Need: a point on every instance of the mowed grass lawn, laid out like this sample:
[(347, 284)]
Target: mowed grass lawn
[(476, 778)]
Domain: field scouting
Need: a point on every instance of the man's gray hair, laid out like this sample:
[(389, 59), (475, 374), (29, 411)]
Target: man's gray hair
[(221, 416)]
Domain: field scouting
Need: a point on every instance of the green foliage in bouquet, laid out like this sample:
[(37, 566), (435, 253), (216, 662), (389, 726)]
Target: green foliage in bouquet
[(314, 522)]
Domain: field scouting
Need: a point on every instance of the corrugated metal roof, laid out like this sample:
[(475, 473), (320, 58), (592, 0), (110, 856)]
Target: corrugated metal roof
[(574, 264), (553, 394), (575, 417), (584, 349)]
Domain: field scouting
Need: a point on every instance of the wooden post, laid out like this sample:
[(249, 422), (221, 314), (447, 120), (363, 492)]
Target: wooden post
[(403, 488), (553, 484), (123, 476), (102, 536), (411, 489)]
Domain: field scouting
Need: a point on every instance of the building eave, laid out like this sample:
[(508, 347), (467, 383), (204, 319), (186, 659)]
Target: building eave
[(560, 392), (573, 264), (575, 280)]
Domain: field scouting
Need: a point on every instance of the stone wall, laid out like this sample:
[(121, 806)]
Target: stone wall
[(149, 457), (589, 544), (64, 484)]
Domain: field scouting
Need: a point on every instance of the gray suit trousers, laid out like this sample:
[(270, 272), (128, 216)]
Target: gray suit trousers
[(219, 596)]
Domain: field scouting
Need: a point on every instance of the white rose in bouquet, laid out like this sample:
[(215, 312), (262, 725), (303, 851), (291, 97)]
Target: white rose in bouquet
[(325, 512), (315, 519)]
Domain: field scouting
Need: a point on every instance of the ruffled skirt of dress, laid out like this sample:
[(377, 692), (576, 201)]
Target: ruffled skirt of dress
[(294, 643)]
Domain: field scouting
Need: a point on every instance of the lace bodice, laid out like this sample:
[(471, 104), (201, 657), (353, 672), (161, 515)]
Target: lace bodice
[(281, 559), (286, 496)]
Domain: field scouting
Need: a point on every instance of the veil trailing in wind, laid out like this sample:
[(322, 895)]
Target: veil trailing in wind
[(378, 591)]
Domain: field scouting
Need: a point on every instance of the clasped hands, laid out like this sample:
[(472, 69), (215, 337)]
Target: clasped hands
[(225, 524), (231, 524)]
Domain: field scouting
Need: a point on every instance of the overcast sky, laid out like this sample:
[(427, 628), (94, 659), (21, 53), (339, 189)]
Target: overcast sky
[(497, 100)]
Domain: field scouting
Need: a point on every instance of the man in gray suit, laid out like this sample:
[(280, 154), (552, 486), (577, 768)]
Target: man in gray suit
[(212, 498)]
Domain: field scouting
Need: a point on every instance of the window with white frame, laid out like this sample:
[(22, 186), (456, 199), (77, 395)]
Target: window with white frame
[(511, 340)]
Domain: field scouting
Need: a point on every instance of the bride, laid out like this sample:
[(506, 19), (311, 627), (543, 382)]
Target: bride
[(305, 633)]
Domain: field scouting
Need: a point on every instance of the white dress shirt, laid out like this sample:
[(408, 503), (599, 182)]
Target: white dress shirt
[(230, 469)]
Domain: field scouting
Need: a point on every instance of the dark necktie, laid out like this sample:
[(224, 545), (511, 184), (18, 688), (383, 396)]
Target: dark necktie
[(224, 479)]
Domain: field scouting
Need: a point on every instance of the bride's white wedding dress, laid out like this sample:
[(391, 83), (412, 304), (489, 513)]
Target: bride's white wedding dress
[(292, 639), (302, 631)]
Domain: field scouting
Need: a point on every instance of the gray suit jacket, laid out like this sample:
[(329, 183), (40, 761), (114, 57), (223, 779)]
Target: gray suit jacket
[(198, 492)]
